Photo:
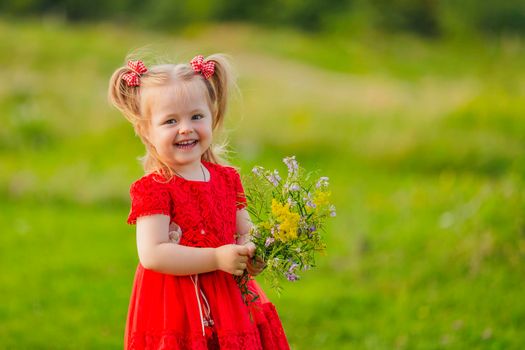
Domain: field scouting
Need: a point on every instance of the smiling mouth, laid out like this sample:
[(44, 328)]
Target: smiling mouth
[(186, 144)]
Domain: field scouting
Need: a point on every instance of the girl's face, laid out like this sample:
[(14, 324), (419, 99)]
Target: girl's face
[(181, 123)]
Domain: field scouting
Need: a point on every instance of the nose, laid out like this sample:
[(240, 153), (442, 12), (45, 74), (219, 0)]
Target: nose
[(185, 128)]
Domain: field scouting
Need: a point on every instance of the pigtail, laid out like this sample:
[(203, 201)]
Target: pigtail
[(125, 98), (221, 82), (219, 86)]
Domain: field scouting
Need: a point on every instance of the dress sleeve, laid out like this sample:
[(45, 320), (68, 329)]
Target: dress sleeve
[(239, 190), (148, 197)]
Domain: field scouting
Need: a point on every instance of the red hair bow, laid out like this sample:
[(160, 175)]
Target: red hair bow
[(137, 69), (206, 68)]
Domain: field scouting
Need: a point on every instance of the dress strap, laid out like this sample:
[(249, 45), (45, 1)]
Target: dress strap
[(206, 315)]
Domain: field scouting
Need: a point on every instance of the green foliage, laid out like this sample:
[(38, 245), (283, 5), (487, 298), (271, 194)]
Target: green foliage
[(422, 140), (429, 18)]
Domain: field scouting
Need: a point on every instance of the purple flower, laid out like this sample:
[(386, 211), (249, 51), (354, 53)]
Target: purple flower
[(274, 178), (311, 204), (332, 210), (309, 201), (294, 187), (292, 277), (274, 230), (323, 182), (269, 241), (292, 267), (257, 170), (312, 228), (292, 164)]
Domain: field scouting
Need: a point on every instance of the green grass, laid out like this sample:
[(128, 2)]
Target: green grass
[(423, 142)]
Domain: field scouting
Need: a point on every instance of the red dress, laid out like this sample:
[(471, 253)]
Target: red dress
[(204, 311)]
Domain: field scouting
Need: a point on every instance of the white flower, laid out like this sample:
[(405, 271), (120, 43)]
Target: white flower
[(292, 164), (274, 178), (323, 182), (258, 170)]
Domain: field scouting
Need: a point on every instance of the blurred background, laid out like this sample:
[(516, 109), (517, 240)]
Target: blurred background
[(414, 109)]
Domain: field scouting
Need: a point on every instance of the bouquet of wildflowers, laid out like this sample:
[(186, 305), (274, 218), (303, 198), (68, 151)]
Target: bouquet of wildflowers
[(288, 215)]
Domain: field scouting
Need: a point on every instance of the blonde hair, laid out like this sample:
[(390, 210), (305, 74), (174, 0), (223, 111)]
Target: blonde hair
[(130, 101)]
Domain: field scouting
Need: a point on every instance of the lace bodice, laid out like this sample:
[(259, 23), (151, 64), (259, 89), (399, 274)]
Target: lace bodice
[(205, 211)]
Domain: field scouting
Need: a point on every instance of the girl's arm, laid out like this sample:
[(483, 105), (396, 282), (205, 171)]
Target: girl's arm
[(157, 253), (244, 224)]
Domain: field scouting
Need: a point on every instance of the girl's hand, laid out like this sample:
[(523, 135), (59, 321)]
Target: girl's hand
[(251, 248), (232, 258), (254, 266)]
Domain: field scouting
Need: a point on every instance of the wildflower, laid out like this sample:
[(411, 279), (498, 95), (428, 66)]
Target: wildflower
[(273, 263), (255, 232), (265, 225), (288, 221), (292, 277), (258, 170), (274, 178), (323, 182), (321, 198), (293, 187), (332, 210), (292, 267), (310, 203), (269, 241), (292, 165)]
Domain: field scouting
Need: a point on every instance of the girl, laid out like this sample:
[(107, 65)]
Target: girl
[(190, 215)]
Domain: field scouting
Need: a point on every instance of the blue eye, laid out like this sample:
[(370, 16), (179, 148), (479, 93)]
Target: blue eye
[(197, 117), (170, 121)]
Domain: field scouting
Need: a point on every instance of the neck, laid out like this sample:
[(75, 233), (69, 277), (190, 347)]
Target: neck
[(193, 172)]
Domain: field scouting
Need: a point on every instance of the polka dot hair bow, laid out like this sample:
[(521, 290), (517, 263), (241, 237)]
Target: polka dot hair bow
[(137, 68), (206, 68)]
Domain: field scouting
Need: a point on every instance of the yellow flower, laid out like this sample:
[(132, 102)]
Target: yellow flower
[(321, 198), (265, 225), (288, 221)]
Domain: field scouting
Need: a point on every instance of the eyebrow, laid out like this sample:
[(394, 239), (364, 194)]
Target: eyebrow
[(176, 115)]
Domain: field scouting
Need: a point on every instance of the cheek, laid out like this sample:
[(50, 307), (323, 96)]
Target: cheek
[(206, 132), (161, 137), (207, 128)]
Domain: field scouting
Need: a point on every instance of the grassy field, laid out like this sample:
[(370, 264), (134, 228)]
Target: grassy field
[(424, 143)]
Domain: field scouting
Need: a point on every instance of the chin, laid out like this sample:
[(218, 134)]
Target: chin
[(186, 160)]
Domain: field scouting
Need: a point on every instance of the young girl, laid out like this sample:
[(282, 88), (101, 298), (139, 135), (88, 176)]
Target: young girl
[(190, 215)]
